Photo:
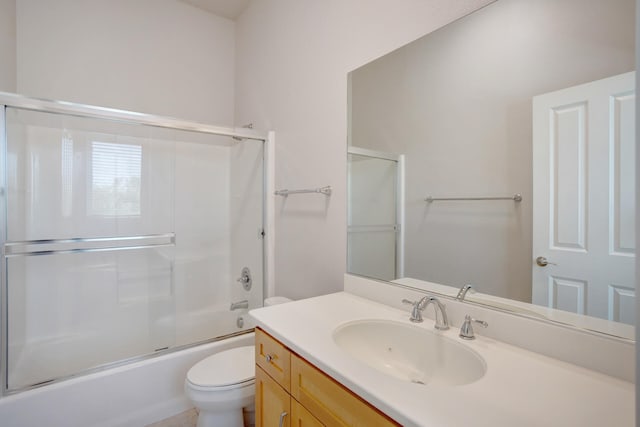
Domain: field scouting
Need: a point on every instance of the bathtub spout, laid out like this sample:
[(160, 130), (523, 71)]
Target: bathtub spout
[(239, 304)]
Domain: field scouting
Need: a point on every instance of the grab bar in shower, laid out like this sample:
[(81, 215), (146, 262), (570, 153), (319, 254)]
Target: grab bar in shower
[(89, 244), (516, 198), (323, 190)]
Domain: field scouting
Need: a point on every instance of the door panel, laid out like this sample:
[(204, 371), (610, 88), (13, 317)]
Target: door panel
[(584, 198)]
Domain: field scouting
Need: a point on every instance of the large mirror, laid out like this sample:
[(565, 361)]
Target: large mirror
[(498, 151)]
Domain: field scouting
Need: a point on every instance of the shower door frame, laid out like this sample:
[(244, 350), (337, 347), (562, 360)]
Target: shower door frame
[(10, 100), (399, 226)]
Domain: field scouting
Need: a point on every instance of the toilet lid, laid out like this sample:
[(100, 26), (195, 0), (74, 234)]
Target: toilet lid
[(233, 366)]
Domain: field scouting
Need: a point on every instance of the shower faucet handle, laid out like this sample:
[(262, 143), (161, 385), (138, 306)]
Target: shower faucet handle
[(245, 278)]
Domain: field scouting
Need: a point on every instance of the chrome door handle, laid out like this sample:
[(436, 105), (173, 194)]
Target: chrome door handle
[(282, 416), (542, 262)]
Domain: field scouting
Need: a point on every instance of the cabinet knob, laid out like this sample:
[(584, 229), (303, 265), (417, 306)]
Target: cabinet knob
[(269, 358)]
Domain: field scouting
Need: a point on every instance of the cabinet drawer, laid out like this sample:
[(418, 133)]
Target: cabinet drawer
[(273, 357), (329, 401)]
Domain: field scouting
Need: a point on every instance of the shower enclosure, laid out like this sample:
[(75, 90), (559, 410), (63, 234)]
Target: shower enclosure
[(124, 236), (375, 213)]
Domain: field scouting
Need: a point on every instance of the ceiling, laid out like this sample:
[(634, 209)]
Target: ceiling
[(230, 9)]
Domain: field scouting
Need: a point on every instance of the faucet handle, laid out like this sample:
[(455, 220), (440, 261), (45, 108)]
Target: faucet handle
[(463, 292), (416, 311), (466, 330)]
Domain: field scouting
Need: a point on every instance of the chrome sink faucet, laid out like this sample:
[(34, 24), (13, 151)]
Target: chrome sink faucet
[(442, 321), (463, 292)]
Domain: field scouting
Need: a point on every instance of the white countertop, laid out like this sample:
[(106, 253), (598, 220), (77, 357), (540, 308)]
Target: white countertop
[(520, 388)]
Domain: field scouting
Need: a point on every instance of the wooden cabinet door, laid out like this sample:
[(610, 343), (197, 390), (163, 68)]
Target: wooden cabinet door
[(300, 417), (273, 406), (329, 401)]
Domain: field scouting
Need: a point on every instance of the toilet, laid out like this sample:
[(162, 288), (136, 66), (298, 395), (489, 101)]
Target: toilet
[(221, 385)]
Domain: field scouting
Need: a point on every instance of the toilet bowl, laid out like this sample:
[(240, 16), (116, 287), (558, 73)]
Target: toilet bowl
[(221, 385)]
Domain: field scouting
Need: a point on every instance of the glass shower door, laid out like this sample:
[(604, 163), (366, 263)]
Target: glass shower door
[(374, 239), (89, 250), (123, 238)]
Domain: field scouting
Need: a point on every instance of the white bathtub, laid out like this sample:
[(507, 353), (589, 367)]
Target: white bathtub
[(133, 395)]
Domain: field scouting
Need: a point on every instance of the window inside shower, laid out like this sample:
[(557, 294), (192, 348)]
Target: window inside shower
[(121, 241)]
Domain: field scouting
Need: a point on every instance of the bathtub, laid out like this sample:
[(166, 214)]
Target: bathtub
[(130, 395)]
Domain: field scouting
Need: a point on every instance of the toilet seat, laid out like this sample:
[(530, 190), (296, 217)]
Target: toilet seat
[(227, 369)]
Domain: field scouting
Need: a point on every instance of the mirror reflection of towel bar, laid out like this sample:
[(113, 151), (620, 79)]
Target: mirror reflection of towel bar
[(324, 190), (516, 198)]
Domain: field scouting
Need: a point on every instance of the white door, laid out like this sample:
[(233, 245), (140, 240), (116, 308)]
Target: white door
[(584, 198)]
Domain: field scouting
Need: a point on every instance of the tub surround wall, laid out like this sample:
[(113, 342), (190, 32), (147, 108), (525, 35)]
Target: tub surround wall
[(121, 304), (246, 221)]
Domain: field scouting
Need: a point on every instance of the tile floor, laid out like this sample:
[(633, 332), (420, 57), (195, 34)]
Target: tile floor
[(190, 419), (184, 419)]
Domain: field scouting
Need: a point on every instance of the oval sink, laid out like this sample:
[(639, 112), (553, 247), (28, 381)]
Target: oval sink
[(409, 353)]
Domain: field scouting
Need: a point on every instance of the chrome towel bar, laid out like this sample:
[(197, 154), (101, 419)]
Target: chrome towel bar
[(516, 198), (323, 190)]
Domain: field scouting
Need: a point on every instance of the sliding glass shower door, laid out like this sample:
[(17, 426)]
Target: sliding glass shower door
[(122, 240), (374, 246)]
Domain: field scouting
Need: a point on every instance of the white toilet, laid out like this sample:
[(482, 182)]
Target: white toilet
[(221, 385)]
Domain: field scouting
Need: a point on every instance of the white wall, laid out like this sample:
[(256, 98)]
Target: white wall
[(293, 57), (156, 56), (7, 45)]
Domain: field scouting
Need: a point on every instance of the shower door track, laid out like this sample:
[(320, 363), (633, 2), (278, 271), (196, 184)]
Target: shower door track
[(92, 111)]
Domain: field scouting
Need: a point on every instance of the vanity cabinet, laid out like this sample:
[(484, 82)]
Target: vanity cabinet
[(292, 392), (272, 401)]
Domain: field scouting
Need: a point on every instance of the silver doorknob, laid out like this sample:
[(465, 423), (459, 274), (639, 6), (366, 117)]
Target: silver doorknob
[(542, 261)]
